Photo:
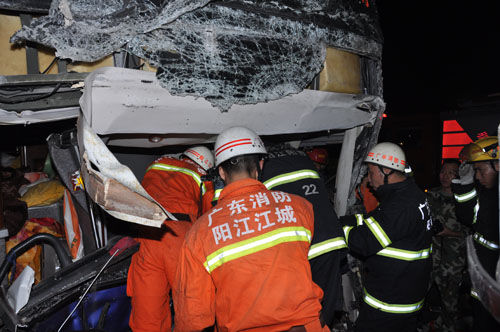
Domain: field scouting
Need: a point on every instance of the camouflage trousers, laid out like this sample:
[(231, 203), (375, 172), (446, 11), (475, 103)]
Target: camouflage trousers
[(449, 289), (448, 271)]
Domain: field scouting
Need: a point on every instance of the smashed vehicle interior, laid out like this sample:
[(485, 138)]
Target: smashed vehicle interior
[(130, 81)]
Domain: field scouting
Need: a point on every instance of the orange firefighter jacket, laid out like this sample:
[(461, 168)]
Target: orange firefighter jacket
[(175, 184), (244, 264)]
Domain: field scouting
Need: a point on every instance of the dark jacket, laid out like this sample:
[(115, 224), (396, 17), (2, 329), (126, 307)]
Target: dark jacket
[(394, 242), (292, 171), (477, 206)]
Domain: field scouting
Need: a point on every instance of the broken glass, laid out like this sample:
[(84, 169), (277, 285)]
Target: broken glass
[(88, 30), (229, 52)]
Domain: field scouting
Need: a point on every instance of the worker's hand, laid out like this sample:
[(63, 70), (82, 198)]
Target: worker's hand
[(465, 173)]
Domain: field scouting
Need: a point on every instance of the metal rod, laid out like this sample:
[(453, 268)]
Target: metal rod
[(87, 290)]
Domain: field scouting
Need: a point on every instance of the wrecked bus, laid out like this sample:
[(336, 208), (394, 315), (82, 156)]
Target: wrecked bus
[(138, 79)]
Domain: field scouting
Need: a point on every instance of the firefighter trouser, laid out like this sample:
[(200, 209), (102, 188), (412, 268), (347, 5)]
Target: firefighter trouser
[(151, 276)]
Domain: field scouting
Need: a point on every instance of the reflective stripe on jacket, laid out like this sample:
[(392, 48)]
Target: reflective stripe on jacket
[(392, 308)]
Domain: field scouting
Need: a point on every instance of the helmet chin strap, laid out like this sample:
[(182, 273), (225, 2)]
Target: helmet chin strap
[(386, 176)]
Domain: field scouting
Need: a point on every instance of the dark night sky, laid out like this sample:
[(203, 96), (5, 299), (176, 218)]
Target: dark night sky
[(438, 52)]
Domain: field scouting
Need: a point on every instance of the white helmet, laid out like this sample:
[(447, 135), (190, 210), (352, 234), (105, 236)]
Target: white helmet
[(200, 155), (237, 141), (388, 155)]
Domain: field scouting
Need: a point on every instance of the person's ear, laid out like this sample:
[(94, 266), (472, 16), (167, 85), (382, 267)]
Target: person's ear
[(261, 164), (222, 174)]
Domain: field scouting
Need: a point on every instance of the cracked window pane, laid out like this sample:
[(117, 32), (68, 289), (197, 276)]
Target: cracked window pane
[(230, 61), (228, 52), (89, 30)]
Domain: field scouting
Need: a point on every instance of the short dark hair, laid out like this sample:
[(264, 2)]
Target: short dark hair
[(451, 161), (246, 163)]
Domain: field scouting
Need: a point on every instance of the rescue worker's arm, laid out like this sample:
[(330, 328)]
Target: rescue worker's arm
[(193, 294), (368, 234), (465, 202), (208, 197)]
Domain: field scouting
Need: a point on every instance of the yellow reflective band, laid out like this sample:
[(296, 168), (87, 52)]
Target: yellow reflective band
[(378, 232), (359, 219), (165, 167), (485, 243), (346, 230), (466, 197), (216, 194), (256, 244), (406, 255), (326, 246), (291, 177), (476, 210), (392, 308)]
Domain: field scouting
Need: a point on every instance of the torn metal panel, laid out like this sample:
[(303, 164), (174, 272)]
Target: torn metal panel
[(487, 288), (119, 201), (117, 100), (88, 30), (229, 52), (112, 185), (364, 142)]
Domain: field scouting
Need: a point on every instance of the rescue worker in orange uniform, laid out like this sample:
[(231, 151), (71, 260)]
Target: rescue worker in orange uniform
[(243, 265), (176, 184)]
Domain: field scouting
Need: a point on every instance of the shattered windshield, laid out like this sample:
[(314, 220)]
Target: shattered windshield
[(229, 52)]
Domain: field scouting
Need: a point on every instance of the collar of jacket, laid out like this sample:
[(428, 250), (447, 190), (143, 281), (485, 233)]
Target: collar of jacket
[(386, 189), (488, 196), (492, 192), (240, 187)]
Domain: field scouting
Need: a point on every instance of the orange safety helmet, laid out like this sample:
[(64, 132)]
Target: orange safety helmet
[(318, 155)]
